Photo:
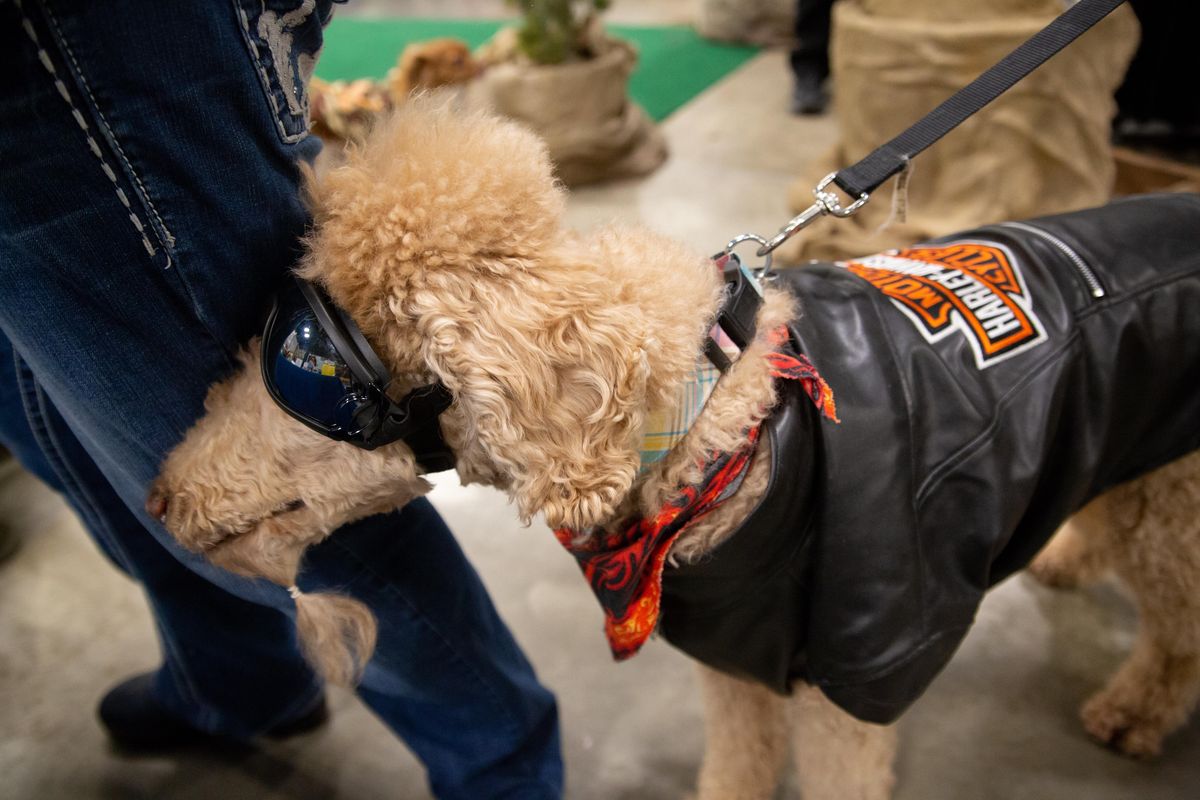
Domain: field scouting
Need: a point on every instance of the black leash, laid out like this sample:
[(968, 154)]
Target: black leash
[(885, 161)]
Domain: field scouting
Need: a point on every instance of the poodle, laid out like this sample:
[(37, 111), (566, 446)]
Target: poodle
[(442, 238)]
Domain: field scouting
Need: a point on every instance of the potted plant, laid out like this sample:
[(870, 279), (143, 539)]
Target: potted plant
[(562, 74)]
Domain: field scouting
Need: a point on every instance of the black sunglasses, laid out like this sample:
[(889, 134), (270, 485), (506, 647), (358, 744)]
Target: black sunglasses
[(319, 368)]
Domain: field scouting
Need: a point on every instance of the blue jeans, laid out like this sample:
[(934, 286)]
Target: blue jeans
[(149, 203)]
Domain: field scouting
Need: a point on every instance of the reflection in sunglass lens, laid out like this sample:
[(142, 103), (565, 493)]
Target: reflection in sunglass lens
[(308, 374)]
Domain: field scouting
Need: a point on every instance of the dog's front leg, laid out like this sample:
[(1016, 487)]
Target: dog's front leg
[(746, 734), (837, 756)]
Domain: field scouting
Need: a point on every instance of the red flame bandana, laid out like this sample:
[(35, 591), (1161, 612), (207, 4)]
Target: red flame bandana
[(624, 568)]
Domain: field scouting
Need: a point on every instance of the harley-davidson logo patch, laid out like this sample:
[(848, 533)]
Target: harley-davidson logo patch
[(970, 287)]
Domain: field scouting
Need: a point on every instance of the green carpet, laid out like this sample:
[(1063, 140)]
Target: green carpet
[(674, 64)]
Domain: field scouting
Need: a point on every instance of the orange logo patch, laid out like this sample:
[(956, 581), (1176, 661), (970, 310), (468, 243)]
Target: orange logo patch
[(970, 287)]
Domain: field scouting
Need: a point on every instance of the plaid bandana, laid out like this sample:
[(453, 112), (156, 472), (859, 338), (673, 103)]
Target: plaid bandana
[(624, 568), (665, 428)]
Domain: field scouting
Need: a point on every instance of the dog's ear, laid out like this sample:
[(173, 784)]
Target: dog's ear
[(442, 237), (555, 368), (551, 382)]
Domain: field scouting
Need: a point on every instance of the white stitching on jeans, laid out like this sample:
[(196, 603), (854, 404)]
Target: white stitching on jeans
[(44, 57), (112, 137)]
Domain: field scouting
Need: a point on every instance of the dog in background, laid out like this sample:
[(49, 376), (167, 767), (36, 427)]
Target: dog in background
[(442, 238), (344, 111)]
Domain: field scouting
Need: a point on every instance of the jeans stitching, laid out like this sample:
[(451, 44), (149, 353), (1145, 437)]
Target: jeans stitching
[(264, 79), (192, 695), (168, 239), (33, 401), (37, 426), (44, 58), (84, 497)]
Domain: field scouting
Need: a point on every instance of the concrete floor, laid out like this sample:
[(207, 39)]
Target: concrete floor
[(999, 724)]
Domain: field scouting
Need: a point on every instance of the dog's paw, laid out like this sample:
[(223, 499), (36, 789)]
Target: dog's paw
[(1121, 726)]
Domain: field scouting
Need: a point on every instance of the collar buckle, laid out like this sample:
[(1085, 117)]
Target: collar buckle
[(736, 319)]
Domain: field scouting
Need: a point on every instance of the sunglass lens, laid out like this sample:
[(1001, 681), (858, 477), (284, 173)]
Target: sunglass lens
[(307, 372)]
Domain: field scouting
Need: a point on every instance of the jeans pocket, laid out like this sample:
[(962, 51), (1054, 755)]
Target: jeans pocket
[(284, 39)]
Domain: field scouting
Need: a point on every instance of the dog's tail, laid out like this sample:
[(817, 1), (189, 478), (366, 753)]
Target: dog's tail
[(337, 634)]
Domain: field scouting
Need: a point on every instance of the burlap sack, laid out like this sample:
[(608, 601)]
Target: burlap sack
[(767, 22), (583, 111), (959, 10), (1041, 148)]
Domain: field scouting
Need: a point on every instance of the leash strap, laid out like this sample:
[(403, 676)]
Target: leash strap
[(861, 179), (865, 176)]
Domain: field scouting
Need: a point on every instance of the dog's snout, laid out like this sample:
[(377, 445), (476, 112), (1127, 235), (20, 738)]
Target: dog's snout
[(156, 503)]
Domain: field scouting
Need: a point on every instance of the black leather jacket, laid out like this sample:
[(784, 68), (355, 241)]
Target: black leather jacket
[(989, 385)]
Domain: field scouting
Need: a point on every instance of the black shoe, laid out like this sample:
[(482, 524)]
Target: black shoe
[(136, 723), (808, 95)]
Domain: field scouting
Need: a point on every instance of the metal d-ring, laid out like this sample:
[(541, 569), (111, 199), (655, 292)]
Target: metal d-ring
[(765, 269), (825, 203)]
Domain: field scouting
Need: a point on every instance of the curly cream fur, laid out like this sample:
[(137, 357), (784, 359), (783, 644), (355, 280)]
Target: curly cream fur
[(440, 216), (442, 236), (1148, 532)]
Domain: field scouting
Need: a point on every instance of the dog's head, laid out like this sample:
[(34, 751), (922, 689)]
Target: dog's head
[(441, 236), (431, 65)]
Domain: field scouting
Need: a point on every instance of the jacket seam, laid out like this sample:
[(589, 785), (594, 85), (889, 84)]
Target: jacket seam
[(1111, 300), (938, 474), (917, 540)]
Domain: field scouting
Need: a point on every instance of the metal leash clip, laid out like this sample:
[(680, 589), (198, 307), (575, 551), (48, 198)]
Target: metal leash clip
[(761, 274), (826, 203)]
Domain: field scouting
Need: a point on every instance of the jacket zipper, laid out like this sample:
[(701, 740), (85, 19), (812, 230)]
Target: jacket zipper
[(1093, 283)]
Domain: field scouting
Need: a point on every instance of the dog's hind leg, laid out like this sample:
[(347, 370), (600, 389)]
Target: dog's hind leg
[(746, 736), (837, 756), (1156, 523), (1080, 552)]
